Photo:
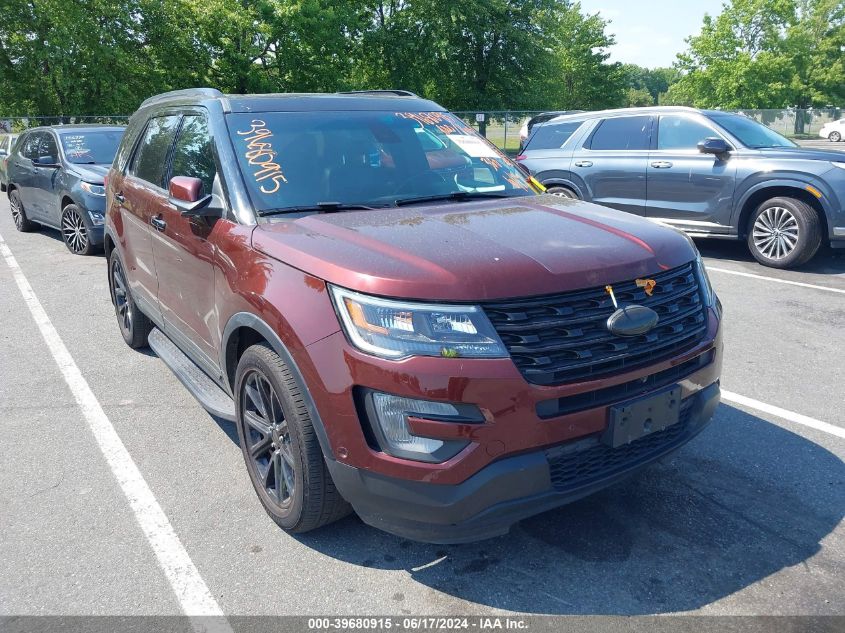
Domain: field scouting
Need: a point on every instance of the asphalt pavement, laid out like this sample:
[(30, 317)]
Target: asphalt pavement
[(746, 519)]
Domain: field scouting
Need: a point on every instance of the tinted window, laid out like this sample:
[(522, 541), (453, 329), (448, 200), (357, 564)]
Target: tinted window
[(192, 154), (150, 159), (552, 135), (678, 132), (48, 147), (750, 133), (91, 147), (630, 132), (29, 145)]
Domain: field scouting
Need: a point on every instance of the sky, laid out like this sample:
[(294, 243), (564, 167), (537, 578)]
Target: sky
[(651, 33)]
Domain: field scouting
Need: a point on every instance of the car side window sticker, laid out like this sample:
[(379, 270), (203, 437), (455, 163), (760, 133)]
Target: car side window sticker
[(259, 153)]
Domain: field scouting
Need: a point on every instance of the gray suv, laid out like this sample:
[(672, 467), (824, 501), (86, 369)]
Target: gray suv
[(709, 173)]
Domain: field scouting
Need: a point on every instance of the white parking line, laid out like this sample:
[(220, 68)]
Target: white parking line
[(797, 418), (191, 591), (775, 279)]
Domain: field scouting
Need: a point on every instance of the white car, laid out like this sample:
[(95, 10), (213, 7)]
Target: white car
[(833, 131)]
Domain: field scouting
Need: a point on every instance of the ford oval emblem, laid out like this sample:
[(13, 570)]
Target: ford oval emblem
[(632, 320)]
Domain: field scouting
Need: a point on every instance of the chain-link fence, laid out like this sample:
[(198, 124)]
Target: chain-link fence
[(18, 124), (502, 127), (794, 121)]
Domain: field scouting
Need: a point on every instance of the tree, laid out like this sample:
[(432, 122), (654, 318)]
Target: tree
[(765, 54)]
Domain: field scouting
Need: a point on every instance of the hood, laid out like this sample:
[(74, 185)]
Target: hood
[(89, 173), (473, 251), (803, 153)]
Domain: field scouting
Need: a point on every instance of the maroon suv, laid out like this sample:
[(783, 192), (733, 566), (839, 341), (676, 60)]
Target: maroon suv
[(393, 315)]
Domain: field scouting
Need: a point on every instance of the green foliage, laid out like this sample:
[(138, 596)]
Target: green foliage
[(106, 56), (766, 54), (651, 81)]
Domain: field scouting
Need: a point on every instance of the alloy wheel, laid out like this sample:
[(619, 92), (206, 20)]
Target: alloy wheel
[(268, 440), (74, 232), (835, 137), (120, 295), (775, 232), (17, 215)]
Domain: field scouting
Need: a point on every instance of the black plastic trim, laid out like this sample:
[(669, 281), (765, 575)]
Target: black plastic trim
[(246, 319)]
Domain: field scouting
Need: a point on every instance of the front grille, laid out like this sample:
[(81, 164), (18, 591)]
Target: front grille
[(562, 338), (627, 390), (579, 463)]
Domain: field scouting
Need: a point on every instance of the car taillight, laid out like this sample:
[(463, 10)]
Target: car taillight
[(521, 157)]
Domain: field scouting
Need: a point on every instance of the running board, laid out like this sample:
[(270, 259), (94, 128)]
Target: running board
[(213, 399)]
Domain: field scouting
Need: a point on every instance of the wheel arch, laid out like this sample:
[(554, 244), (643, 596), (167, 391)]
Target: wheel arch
[(788, 189), (560, 180), (244, 330)]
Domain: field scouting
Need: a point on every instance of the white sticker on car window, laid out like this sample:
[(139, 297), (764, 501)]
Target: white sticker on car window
[(473, 146)]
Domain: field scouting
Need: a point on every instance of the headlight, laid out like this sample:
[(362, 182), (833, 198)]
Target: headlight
[(707, 292), (96, 218), (94, 190), (399, 329), (840, 165)]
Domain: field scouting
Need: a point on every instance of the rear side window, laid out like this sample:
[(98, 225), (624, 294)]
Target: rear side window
[(630, 133), (680, 132), (193, 155), (150, 160), (29, 145), (552, 135)]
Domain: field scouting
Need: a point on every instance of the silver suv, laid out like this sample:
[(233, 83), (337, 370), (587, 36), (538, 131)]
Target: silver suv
[(707, 172)]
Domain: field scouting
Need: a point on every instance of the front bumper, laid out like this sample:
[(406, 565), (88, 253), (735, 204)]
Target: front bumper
[(511, 489)]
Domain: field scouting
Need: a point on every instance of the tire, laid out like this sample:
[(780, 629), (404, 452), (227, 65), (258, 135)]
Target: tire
[(562, 192), (134, 324), (75, 231), (834, 137), (22, 223), (784, 232), (282, 454)]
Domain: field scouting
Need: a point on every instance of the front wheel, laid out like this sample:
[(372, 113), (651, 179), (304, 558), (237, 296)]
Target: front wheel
[(784, 232), (282, 453), (134, 324), (75, 231), (834, 137)]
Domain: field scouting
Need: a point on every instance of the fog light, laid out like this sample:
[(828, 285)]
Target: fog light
[(389, 416)]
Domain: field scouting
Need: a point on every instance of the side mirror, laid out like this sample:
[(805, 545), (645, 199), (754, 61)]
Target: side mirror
[(3, 152), (714, 145), (186, 195), (46, 161)]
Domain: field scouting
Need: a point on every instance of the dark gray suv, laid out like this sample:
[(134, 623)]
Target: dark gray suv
[(709, 173), (55, 178)]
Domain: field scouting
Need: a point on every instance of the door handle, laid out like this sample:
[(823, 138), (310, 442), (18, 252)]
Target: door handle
[(661, 164), (120, 197), (158, 223), (584, 163)]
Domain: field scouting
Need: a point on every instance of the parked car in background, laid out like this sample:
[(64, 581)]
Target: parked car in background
[(392, 316), (55, 179), (833, 131), (525, 130), (7, 142), (710, 173)]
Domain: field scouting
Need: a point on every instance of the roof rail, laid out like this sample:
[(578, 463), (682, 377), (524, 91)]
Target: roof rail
[(398, 93), (190, 92)]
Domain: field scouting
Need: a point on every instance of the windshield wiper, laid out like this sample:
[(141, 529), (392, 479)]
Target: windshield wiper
[(323, 207), (455, 195)]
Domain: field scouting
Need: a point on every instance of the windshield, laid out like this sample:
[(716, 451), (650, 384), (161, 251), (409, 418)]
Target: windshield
[(751, 133), (302, 159), (83, 147)]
